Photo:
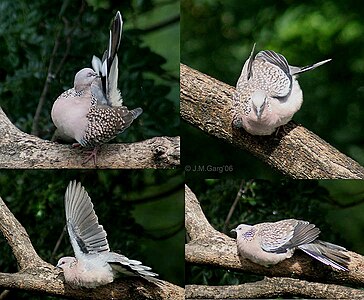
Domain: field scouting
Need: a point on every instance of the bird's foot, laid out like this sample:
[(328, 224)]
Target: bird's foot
[(281, 129), (92, 155)]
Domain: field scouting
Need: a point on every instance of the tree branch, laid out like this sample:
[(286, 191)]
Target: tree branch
[(240, 192), (21, 150), (206, 103), (39, 276), (210, 247), (18, 239), (165, 23), (272, 288)]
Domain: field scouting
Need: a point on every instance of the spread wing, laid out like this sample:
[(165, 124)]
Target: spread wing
[(86, 235)]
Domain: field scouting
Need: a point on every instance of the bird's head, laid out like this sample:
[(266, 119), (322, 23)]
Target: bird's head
[(259, 100), (84, 78), (242, 229), (66, 262)]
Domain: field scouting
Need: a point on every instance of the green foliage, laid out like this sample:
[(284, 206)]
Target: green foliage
[(304, 33), (327, 204), (142, 212), (29, 32)]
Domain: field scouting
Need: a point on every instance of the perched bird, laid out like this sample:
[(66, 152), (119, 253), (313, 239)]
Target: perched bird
[(267, 92), (269, 243), (92, 112), (93, 264)]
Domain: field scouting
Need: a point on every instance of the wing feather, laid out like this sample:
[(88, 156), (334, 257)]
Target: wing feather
[(86, 235)]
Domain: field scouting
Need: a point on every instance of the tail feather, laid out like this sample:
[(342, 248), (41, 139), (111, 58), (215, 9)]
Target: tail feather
[(107, 67), (298, 70), (111, 62), (122, 265), (327, 253)]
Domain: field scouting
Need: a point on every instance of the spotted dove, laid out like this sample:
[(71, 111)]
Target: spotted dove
[(267, 92), (93, 264), (92, 112), (270, 243)]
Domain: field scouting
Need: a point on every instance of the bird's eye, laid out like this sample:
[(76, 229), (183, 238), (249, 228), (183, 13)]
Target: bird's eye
[(90, 75)]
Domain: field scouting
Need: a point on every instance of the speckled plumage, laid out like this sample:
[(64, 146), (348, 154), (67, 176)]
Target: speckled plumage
[(107, 122), (92, 112), (270, 243), (267, 93)]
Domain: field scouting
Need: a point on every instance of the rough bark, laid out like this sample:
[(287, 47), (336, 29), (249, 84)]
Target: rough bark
[(39, 276), (272, 288), (20, 150), (207, 246), (206, 103)]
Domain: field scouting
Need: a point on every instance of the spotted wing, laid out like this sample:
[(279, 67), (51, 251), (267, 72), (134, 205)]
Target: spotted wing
[(287, 234)]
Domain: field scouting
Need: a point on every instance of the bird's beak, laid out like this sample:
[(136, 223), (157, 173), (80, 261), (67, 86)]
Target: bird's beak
[(259, 111), (259, 114), (233, 230), (58, 267)]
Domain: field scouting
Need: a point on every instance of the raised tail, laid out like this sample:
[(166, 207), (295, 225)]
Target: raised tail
[(299, 70), (327, 253), (107, 67)]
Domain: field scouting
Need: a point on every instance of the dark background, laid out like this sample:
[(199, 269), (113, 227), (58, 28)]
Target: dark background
[(141, 211), (334, 206), (217, 37)]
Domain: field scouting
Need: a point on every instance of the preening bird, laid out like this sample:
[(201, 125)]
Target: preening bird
[(94, 264), (269, 243), (267, 92), (92, 112)]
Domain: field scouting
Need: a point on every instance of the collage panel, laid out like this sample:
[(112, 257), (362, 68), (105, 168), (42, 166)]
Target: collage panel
[(77, 75), (254, 66), (274, 239), (142, 217)]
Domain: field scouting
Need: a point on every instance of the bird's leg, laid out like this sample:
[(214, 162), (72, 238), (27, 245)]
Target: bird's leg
[(93, 155), (280, 129)]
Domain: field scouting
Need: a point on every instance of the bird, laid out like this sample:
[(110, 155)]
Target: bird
[(267, 92), (269, 243), (92, 112), (94, 264)]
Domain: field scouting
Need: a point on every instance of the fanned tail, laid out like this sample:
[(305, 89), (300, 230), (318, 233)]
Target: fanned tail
[(107, 67), (327, 253), (129, 267)]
